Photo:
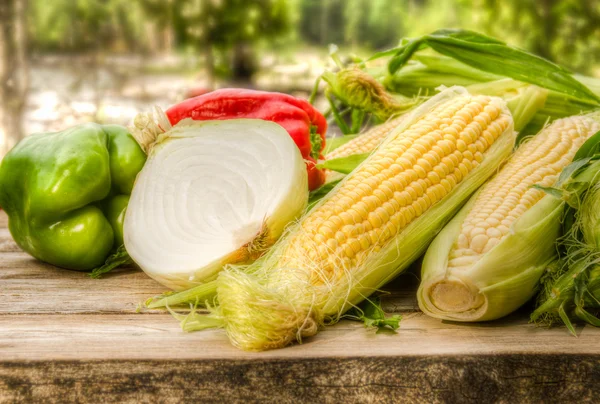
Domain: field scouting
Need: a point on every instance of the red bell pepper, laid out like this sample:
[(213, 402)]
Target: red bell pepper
[(303, 122)]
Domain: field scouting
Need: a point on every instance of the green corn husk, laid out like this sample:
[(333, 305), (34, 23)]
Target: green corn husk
[(490, 55), (467, 58), (463, 283), (427, 72), (505, 278), (523, 101), (571, 287)]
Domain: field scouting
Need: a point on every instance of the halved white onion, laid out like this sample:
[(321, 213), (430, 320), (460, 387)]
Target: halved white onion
[(212, 193)]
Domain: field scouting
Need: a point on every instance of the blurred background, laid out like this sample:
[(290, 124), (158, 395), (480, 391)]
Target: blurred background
[(64, 62)]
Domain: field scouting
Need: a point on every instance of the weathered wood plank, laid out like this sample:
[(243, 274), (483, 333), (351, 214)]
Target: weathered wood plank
[(3, 220), (29, 286), (66, 337), (472, 379), (7, 244), (142, 358), (158, 337)]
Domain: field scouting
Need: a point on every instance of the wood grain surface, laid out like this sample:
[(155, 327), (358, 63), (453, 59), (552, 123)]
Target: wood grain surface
[(65, 337)]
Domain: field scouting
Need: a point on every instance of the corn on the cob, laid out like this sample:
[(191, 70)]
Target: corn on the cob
[(523, 101), (372, 225), (487, 261), (368, 141)]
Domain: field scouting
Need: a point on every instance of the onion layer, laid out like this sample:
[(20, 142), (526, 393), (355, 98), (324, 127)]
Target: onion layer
[(212, 193)]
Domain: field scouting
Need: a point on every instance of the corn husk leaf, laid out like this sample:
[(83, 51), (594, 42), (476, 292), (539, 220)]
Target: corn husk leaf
[(335, 142), (493, 56), (344, 165), (504, 278), (572, 291)]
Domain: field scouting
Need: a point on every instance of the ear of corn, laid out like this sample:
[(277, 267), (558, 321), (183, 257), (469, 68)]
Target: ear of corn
[(488, 260), (377, 221), (523, 101)]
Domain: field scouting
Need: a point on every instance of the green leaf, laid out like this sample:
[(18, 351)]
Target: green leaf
[(358, 117), (373, 316), (526, 105), (580, 283), (344, 165), (316, 195), (590, 148), (493, 56), (404, 54), (565, 318), (335, 142), (587, 317), (586, 175), (555, 192), (390, 52), (339, 120), (568, 219), (593, 292), (315, 91), (571, 169), (120, 257), (467, 35)]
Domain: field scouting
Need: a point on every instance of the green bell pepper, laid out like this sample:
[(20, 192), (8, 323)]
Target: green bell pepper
[(65, 193)]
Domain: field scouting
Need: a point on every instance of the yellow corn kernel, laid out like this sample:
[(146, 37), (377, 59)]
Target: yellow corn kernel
[(509, 195), (367, 142), (417, 168)]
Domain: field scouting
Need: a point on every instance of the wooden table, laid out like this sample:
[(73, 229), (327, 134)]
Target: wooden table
[(66, 337)]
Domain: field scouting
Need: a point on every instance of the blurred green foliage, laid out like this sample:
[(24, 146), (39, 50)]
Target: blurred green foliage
[(76, 25), (566, 31), (221, 23)]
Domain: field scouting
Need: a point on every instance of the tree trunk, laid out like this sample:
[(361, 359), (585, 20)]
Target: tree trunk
[(324, 22), (13, 71), (209, 60), (548, 30), (243, 64)]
